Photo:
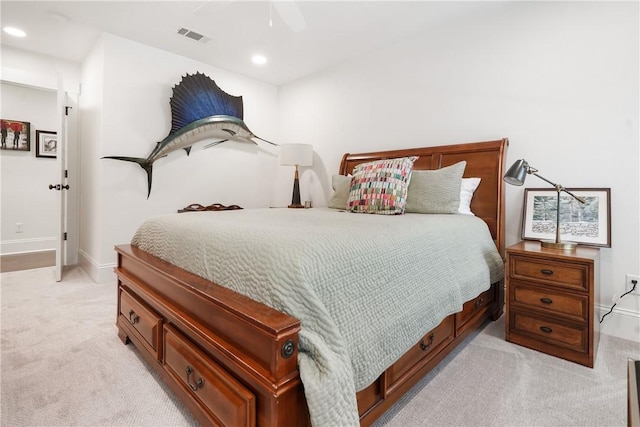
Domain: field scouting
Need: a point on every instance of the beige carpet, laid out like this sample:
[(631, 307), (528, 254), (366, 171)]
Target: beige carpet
[(62, 365)]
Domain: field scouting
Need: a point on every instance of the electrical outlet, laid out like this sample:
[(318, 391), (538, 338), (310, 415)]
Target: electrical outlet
[(629, 284), (19, 227)]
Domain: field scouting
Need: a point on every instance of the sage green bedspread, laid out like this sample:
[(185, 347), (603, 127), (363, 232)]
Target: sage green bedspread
[(365, 287)]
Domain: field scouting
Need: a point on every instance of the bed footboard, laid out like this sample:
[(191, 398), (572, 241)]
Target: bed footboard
[(231, 360)]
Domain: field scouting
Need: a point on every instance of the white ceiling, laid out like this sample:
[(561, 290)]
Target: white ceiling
[(333, 31)]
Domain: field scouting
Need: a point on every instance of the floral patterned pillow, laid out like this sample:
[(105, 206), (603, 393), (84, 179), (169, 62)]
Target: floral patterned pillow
[(380, 187)]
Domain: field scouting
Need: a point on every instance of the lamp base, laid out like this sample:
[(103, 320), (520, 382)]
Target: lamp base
[(296, 206), (564, 246)]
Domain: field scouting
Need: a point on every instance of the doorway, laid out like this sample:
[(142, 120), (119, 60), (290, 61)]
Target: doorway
[(28, 225)]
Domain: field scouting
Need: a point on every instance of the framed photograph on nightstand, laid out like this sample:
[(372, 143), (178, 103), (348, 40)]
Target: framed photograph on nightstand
[(586, 224)]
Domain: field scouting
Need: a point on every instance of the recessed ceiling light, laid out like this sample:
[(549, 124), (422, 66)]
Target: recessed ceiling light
[(15, 32), (259, 59)]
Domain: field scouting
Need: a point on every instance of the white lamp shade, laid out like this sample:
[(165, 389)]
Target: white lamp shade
[(296, 154)]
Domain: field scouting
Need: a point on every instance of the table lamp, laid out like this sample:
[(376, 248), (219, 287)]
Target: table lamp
[(516, 175), (296, 155)]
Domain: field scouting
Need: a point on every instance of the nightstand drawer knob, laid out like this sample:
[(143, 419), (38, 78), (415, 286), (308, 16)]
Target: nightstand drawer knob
[(546, 329), (546, 272), (546, 300)]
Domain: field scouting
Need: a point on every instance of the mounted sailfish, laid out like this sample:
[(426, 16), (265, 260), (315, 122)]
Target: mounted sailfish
[(199, 110)]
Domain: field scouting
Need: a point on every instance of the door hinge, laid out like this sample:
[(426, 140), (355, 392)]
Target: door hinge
[(64, 236), (66, 110), (66, 173)]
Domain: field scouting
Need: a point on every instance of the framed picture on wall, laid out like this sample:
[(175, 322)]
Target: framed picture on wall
[(46, 144), (16, 135), (586, 223)]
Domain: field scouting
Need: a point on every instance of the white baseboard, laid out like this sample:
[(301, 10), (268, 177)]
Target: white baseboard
[(621, 322), (20, 246), (99, 273)]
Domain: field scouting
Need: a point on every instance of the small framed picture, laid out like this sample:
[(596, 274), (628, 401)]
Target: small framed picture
[(46, 144), (586, 223), (16, 135)]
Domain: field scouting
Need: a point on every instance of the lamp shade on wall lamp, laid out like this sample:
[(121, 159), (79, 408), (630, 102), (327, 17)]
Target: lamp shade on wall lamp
[(296, 155), (517, 173)]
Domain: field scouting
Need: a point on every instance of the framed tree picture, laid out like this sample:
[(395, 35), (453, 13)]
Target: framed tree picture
[(16, 135), (586, 223), (46, 144)]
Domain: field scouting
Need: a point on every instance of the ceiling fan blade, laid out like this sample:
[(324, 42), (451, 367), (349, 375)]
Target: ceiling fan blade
[(291, 15)]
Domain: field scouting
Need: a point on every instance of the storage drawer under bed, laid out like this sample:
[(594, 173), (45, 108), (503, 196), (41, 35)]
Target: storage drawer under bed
[(473, 309), (225, 400), (141, 321), (422, 352)]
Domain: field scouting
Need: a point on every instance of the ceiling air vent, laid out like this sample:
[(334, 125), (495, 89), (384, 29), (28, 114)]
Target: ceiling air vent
[(193, 35)]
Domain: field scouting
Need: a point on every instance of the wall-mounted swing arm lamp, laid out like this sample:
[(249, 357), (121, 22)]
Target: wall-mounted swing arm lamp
[(516, 175), (296, 155)]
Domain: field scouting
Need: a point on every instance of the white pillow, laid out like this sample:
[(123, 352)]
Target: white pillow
[(467, 188)]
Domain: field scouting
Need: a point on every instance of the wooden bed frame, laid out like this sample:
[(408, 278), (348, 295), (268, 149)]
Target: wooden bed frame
[(233, 361)]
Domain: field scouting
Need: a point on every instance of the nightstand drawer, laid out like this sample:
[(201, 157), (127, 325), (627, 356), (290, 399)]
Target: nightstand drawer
[(565, 274), (574, 307), (546, 330)]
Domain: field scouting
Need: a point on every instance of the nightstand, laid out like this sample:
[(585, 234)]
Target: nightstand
[(550, 300)]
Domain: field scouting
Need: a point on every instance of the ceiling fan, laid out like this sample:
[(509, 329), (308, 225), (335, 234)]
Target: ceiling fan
[(288, 11)]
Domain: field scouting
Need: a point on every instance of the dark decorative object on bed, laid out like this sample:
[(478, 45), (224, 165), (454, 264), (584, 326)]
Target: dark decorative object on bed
[(236, 361), (195, 207), (199, 110)]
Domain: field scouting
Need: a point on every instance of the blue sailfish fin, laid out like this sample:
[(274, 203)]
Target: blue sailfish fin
[(197, 96)]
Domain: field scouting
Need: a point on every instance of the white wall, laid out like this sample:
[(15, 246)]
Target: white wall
[(37, 70), (560, 80), (91, 141), (126, 92), (25, 196)]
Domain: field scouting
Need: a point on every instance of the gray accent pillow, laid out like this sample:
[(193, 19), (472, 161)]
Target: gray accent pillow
[(435, 191), (341, 185)]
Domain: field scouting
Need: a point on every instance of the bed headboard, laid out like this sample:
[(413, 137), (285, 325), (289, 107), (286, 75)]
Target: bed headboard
[(484, 160)]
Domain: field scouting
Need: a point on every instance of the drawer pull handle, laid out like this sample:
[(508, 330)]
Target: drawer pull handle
[(546, 329), (478, 302), (425, 347), (199, 382), (133, 317), (546, 271), (546, 300)]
